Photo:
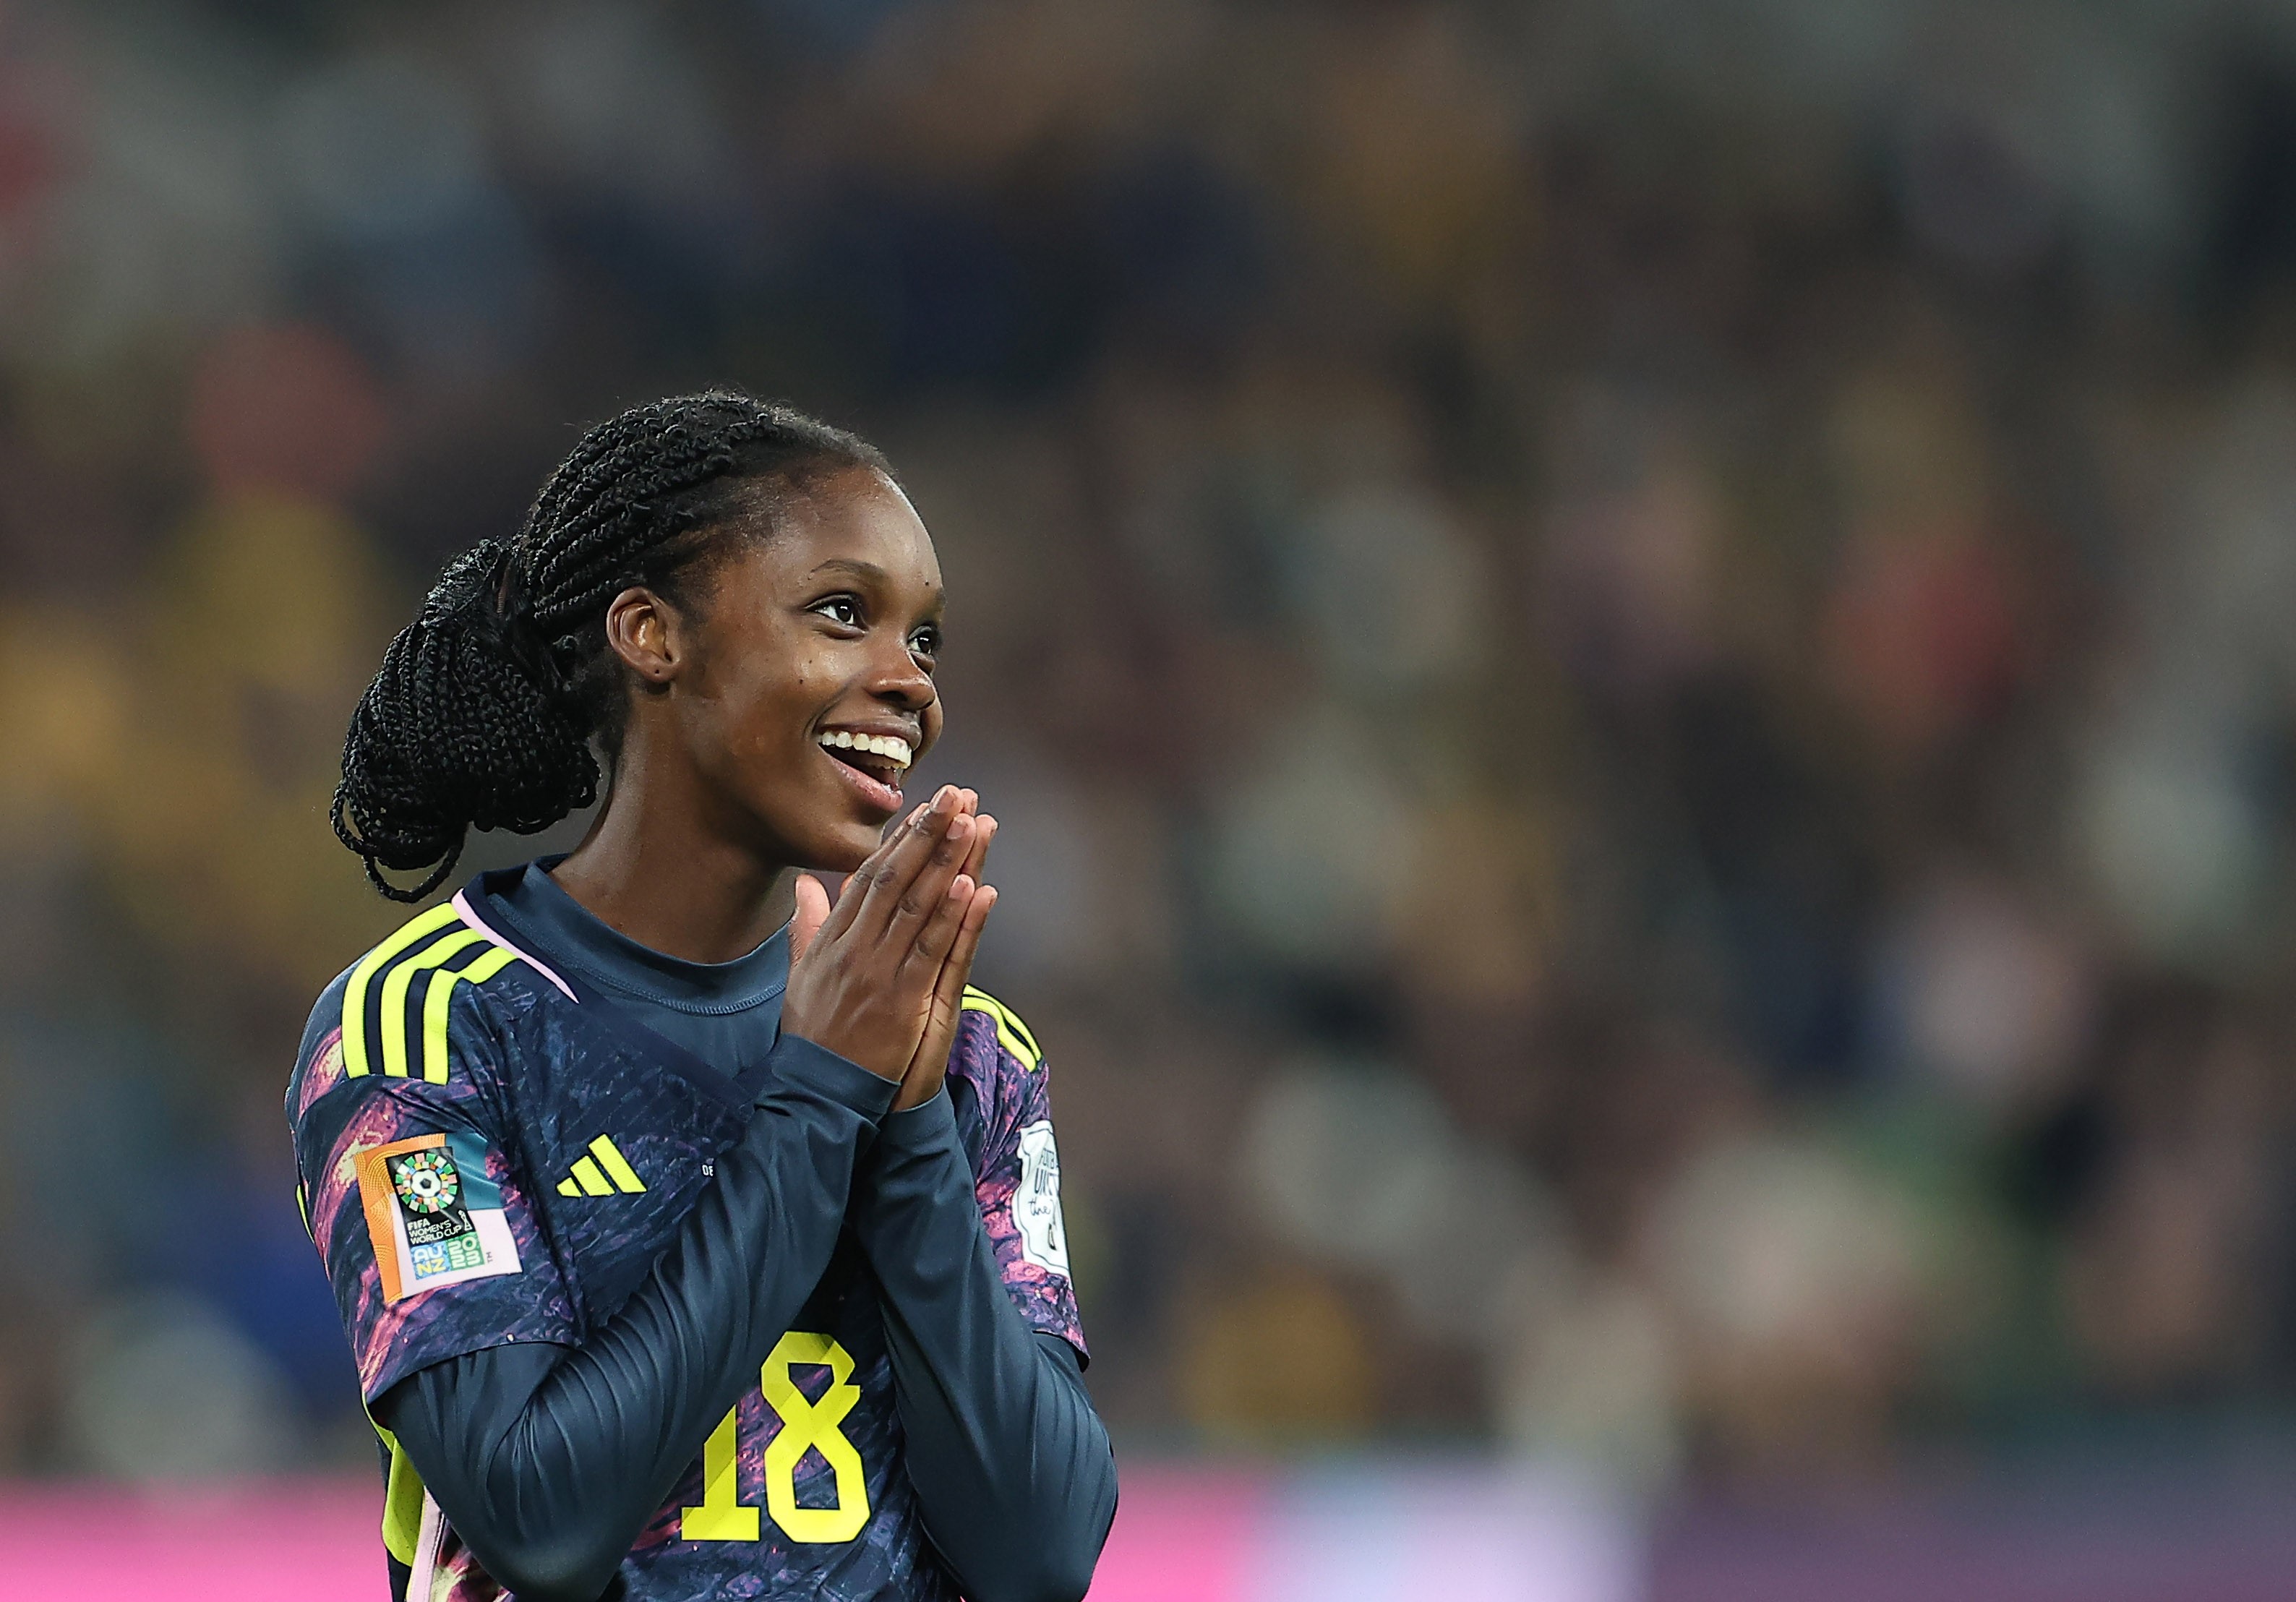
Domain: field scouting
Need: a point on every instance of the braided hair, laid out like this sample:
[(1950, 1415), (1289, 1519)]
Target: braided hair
[(485, 706)]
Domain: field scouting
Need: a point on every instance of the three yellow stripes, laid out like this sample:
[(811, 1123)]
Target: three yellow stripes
[(1010, 1032), (400, 978), (593, 1173)]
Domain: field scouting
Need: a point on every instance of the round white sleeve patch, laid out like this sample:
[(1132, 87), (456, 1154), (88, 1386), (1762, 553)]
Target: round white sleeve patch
[(1036, 1201)]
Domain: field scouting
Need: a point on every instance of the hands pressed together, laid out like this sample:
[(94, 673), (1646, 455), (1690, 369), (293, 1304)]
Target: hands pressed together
[(879, 978)]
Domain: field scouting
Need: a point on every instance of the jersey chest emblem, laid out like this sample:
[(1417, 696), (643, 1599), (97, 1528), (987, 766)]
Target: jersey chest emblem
[(603, 1172)]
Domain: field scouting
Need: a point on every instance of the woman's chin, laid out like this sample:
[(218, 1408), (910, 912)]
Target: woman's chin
[(844, 850)]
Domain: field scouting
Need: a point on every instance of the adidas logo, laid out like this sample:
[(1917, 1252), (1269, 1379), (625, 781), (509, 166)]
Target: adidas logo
[(603, 1172)]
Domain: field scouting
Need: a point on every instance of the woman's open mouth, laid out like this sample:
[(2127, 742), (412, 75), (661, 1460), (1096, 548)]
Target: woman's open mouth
[(872, 764)]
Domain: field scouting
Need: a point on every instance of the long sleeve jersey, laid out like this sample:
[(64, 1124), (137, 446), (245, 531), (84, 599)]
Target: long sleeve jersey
[(651, 1301)]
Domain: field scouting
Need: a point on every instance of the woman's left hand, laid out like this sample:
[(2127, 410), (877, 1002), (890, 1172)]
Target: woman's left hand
[(927, 1068)]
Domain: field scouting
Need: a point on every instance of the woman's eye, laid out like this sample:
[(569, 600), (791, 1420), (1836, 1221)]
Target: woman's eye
[(925, 642), (840, 609)]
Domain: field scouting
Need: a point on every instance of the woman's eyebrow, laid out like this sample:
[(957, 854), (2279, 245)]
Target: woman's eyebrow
[(868, 572)]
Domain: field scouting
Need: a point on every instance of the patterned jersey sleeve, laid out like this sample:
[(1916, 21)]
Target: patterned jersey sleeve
[(1018, 1167), (428, 1232)]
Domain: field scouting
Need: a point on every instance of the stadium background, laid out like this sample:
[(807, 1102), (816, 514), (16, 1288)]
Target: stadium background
[(1638, 657)]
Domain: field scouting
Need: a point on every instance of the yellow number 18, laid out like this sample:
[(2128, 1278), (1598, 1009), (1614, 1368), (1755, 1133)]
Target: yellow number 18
[(724, 1516)]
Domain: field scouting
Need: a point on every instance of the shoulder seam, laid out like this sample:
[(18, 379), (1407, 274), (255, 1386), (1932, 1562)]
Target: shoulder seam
[(470, 915)]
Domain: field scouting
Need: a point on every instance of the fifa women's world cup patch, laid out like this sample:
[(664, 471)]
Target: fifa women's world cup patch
[(432, 1214)]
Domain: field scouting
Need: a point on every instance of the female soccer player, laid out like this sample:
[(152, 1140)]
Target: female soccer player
[(695, 1238)]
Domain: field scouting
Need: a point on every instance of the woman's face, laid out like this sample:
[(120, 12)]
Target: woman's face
[(806, 690)]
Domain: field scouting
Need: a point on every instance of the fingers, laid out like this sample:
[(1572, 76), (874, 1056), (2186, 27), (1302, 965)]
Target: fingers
[(984, 831), (899, 890), (939, 939), (929, 1065), (854, 891), (911, 876), (812, 912), (944, 864), (940, 932), (857, 883), (957, 966)]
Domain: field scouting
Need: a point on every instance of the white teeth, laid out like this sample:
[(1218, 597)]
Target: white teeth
[(891, 747)]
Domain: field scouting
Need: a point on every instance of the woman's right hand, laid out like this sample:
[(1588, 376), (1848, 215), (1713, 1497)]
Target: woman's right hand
[(862, 974)]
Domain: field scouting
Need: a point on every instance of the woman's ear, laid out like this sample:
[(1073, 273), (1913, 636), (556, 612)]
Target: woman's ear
[(642, 628)]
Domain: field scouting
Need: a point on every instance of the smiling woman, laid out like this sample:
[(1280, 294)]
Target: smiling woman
[(694, 1236), (486, 707)]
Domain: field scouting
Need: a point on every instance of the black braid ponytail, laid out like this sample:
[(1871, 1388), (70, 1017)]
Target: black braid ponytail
[(484, 710)]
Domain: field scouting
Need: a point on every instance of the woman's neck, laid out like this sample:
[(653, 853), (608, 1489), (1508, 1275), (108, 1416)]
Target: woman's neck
[(650, 871)]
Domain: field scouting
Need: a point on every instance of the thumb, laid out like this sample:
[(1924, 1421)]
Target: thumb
[(812, 911)]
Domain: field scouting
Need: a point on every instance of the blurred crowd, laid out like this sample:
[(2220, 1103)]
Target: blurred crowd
[(1637, 658)]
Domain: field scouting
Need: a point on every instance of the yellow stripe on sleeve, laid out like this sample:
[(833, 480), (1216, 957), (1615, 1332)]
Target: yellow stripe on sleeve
[(477, 971), (355, 993), (1010, 1032), (394, 995), (1030, 1054), (402, 1502)]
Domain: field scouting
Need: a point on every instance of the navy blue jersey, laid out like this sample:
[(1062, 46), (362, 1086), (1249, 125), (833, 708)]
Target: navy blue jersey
[(492, 1152)]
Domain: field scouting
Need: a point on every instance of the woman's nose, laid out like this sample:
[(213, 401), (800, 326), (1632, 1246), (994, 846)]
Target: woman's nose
[(899, 678)]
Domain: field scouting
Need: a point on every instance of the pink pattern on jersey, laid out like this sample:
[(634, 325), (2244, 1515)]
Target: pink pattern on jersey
[(1013, 1097)]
